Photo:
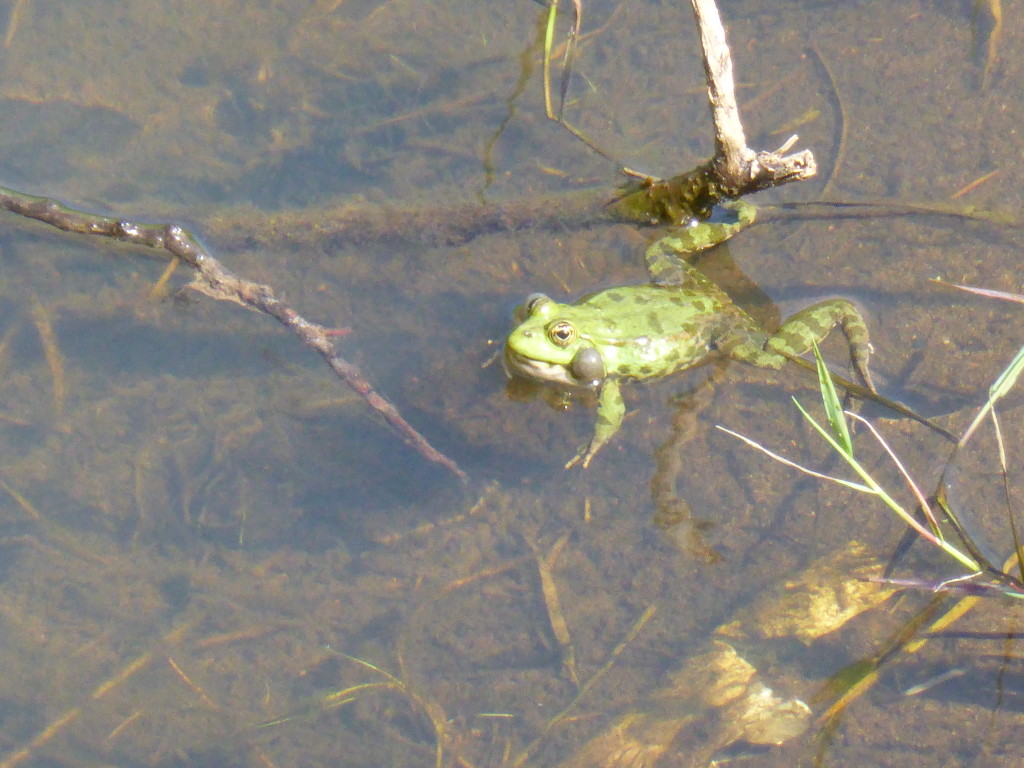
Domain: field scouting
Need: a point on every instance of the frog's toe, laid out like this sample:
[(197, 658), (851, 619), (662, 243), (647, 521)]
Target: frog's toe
[(584, 455), (860, 354), (868, 382)]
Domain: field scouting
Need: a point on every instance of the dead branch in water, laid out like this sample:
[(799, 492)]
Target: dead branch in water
[(218, 282), (739, 169), (735, 170)]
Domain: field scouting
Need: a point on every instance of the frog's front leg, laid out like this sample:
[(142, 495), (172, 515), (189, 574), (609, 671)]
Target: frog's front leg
[(610, 410), (804, 329)]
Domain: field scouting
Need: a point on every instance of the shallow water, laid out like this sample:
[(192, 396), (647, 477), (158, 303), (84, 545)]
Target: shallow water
[(201, 525)]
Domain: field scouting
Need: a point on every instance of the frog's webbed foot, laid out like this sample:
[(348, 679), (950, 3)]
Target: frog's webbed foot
[(665, 257), (610, 410), (582, 454), (811, 325)]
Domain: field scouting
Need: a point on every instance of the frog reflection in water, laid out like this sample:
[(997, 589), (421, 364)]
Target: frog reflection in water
[(647, 331)]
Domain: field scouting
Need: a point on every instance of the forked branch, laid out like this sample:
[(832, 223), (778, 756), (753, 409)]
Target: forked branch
[(740, 169), (735, 169)]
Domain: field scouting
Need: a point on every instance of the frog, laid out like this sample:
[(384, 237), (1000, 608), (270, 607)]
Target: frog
[(676, 320)]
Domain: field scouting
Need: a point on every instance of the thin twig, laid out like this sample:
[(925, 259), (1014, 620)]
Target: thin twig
[(218, 282)]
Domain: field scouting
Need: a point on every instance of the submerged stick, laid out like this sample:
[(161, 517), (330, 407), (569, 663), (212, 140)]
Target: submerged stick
[(218, 282), (433, 222), (51, 351)]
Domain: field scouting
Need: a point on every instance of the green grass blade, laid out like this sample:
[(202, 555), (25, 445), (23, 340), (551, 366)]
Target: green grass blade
[(1002, 385), (833, 406), (890, 502)]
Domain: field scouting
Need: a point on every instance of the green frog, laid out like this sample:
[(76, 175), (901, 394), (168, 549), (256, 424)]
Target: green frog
[(647, 331)]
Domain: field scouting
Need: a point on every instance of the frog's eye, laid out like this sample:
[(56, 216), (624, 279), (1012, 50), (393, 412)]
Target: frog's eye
[(562, 333), (528, 306), (532, 301), (588, 366)]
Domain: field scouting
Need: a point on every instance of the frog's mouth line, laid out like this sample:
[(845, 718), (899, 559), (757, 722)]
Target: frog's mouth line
[(517, 364)]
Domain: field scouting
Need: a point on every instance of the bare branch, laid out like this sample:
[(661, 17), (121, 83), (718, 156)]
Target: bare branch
[(739, 168), (216, 281)]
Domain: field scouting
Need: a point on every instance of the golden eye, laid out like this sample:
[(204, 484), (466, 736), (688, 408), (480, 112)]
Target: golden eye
[(562, 333)]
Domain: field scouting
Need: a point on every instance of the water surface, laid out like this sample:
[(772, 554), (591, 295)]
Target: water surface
[(201, 525)]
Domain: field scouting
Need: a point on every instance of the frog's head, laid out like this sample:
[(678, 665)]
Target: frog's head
[(547, 346)]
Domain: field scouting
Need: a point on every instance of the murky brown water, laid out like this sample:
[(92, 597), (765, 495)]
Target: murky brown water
[(200, 525)]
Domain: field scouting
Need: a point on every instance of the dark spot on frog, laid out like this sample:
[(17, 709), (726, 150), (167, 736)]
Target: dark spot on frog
[(655, 322)]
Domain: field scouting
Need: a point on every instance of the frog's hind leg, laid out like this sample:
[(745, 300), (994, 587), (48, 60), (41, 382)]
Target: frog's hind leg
[(813, 324), (666, 258)]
